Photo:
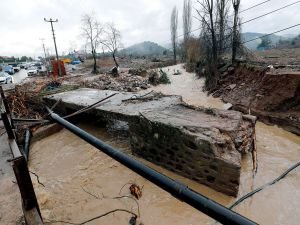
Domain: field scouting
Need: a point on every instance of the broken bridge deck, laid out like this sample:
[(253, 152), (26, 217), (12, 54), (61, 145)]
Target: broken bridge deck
[(202, 144)]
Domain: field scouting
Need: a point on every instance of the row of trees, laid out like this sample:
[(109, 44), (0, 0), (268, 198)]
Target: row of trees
[(220, 34), (97, 35)]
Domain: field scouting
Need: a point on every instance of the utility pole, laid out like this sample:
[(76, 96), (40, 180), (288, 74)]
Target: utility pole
[(46, 61), (42, 39), (51, 22)]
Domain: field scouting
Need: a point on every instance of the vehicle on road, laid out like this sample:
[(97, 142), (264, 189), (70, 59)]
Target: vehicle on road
[(38, 65), (9, 69), (15, 66), (22, 65), (75, 62), (5, 78), (32, 71)]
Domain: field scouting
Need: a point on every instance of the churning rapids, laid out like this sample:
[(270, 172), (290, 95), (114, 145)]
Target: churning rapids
[(81, 182)]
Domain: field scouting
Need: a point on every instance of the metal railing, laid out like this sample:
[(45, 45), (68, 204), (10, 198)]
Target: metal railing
[(30, 205)]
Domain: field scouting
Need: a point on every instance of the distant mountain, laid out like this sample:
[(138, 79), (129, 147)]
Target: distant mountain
[(146, 48), (253, 44)]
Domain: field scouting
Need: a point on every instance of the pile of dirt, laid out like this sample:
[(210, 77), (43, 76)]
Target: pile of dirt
[(124, 82), (271, 95), (25, 100)]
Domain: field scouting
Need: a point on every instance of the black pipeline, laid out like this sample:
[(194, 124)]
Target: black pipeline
[(27, 140), (178, 190)]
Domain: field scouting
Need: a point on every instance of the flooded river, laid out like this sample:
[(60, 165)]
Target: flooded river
[(81, 182)]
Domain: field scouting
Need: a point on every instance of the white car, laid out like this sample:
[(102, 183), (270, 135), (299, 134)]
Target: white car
[(32, 71), (5, 78)]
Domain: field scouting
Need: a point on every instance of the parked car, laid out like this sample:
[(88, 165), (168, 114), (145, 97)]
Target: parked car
[(38, 65), (32, 71), (9, 69), (5, 78), (22, 65), (75, 62), (27, 65), (15, 66)]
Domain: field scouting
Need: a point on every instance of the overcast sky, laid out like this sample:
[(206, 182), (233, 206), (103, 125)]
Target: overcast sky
[(22, 21)]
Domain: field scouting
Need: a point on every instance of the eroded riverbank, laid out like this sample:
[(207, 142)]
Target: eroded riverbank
[(67, 165)]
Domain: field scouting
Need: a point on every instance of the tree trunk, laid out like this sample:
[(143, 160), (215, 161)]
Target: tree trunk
[(235, 32), (175, 61), (95, 62), (117, 65)]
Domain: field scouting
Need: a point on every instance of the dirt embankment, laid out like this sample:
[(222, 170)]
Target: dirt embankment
[(273, 96)]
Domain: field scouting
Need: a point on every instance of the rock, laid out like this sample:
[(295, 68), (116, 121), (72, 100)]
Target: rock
[(259, 95), (224, 74), (227, 106), (232, 86), (153, 77), (230, 69), (144, 86), (177, 72), (138, 72), (115, 71), (95, 84), (250, 118)]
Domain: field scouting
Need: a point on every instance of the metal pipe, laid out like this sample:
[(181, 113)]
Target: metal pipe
[(27, 140), (177, 189), (29, 120)]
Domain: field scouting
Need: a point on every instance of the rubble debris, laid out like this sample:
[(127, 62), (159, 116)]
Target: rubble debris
[(136, 191), (138, 72), (227, 106), (158, 77)]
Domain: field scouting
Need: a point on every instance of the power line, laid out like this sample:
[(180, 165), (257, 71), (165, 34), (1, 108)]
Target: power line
[(251, 7), (287, 28), (241, 12), (268, 13), (252, 18)]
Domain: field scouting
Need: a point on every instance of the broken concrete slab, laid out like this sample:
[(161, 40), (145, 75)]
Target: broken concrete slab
[(202, 144)]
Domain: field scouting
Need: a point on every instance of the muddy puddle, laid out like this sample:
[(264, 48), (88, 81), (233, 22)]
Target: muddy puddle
[(81, 182)]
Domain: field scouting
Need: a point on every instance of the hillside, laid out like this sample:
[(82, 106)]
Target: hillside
[(146, 48), (253, 44)]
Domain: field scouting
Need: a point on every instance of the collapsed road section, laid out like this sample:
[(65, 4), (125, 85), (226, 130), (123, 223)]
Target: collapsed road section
[(205, 145)]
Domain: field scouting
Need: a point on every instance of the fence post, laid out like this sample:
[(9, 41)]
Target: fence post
[(24, 183), (7, 126), (5, 102)]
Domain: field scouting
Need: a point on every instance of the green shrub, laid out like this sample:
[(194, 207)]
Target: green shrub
[(163, 78)]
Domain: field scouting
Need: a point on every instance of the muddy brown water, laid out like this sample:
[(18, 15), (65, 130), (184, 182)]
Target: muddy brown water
[(81, 182)]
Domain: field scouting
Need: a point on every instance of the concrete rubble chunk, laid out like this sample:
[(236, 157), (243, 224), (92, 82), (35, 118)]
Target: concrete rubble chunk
[(227, 106), (202, 144), (232, 86)]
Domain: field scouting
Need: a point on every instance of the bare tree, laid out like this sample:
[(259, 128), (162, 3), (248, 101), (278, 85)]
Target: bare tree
[(222, 23), (207, 18), (174, 25), (112, 40), (235, 31), (92, 30), (187, 24)]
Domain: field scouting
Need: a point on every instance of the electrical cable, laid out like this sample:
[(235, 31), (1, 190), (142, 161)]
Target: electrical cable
[(271, 12), (287, 28), (264, 186)]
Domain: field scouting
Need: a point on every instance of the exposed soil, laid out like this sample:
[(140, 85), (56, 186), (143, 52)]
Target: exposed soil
[(273, 96)]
